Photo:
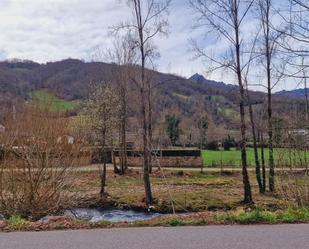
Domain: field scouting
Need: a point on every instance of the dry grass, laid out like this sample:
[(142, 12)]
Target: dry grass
[(190, 191)]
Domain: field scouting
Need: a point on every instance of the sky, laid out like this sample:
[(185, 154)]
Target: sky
[(52, 30)]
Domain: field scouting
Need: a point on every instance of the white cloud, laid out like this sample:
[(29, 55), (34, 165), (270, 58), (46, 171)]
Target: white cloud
[(48, 30)]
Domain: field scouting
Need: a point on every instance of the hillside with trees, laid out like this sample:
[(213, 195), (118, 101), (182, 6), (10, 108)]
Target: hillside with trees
[(70, 80)]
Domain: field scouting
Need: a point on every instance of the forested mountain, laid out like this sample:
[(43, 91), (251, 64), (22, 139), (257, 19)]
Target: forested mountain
[(70, 80)]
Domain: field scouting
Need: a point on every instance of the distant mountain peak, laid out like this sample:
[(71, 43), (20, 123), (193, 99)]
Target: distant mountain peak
[(198, 77), (201, 79)]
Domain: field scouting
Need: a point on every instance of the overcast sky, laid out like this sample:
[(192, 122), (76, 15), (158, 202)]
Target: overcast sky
[(51, 30)]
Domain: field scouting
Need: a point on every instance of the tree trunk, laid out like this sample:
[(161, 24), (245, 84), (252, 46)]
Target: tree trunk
[(124, 148), (150, 128), (263, 163), (269, 97), (307, 116), (256, 153), (270, 138), (103, 170), (307, 102), (116, 170), (143, 89), (103, 180), (246, 182), (124, 165), (123, 139), (146, 156)]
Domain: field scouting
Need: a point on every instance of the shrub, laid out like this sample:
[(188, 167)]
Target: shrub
[(37, 168), (16, 221), (229, 143), (213, 145)]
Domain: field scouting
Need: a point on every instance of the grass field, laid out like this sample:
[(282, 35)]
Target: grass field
[(44, 99), (283, 157)]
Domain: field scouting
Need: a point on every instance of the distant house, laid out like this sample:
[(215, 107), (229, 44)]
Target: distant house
[(302, 134), (165, 158), (299, 132)]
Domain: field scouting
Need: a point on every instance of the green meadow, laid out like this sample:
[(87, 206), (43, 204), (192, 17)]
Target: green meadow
[(44, 99), (283, 157)]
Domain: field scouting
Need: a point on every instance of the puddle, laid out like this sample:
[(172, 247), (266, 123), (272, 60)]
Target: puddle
[(112, 215)]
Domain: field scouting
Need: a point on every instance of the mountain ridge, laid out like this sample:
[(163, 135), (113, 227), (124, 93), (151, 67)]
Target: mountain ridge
[(70, 80), (295, 94)]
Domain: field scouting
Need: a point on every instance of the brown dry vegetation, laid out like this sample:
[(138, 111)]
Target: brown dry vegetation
[(190, 191), (214, 198)]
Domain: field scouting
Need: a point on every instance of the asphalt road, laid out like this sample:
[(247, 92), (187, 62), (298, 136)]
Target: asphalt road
[(209, 237)]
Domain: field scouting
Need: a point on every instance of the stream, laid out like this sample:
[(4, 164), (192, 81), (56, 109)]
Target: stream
[(111, 215)]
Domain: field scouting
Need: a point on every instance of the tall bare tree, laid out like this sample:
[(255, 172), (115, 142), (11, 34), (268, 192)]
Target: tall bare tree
[(148, 21), (225, 18), (252, 117), (269, 37)]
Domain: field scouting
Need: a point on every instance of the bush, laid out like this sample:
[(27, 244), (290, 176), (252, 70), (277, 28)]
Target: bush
[(36, 179), (229, 143), (213, 145), (16, 222)]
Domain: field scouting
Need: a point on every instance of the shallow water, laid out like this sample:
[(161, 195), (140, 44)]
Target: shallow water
[(112, 215)]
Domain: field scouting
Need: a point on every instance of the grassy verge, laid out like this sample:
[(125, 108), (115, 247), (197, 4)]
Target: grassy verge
[(262, 216)]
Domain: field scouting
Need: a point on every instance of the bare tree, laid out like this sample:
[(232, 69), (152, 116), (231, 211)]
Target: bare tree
[(102, 109), (269, 37), (124, 55), (148, 21), (225, 19), (252, 119), (263, 161)]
